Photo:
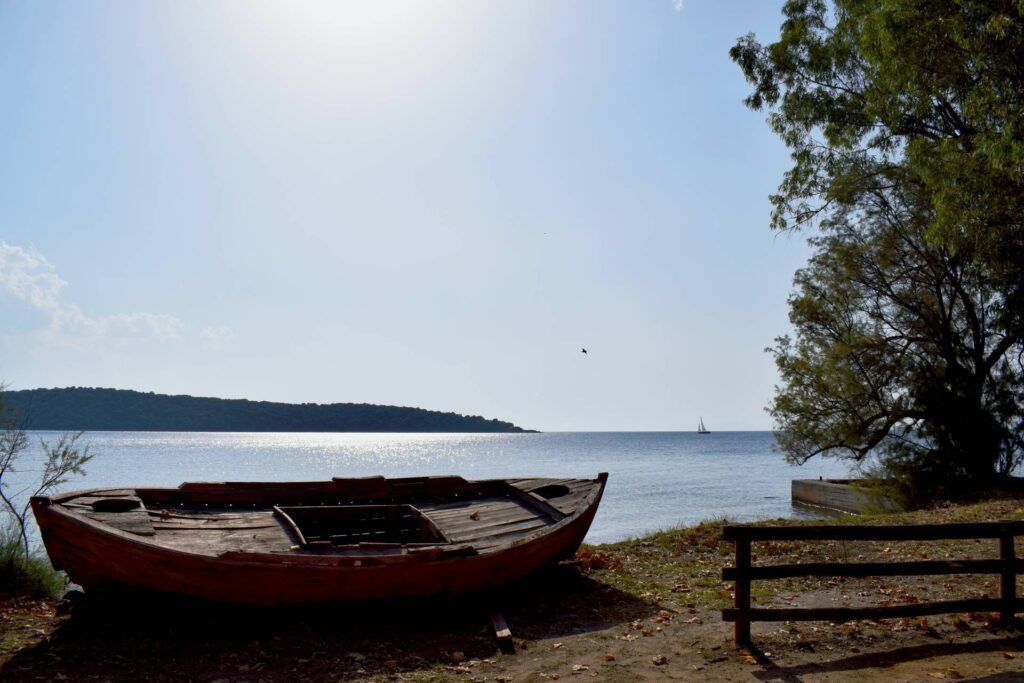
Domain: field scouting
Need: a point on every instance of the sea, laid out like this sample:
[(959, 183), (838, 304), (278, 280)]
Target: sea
[(657, 480)]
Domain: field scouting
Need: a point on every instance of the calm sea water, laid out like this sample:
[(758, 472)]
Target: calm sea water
[(657, 480)]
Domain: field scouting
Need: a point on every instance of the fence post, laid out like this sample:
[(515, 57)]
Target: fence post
[(1008, 578), (742, 591)]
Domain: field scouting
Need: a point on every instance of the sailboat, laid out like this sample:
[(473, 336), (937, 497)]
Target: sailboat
[(701, 429)]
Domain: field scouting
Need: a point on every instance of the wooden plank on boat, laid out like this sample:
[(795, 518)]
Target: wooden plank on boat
[(202, 515), (486, 526), (212, 527), (481, 511), (497, 532), (216, 541), (527, 484), (534, 501), (468, 524), (214, 520), (572, 502), (134, 522), (509, 509)]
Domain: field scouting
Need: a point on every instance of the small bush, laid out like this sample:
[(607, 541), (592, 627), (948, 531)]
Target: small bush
[(32, 575)]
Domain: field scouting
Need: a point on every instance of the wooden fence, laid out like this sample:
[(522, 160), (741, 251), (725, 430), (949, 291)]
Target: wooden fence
[(1007, 566)]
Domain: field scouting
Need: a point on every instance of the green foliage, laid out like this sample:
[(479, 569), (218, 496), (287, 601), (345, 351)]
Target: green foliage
[(81, 408), (895, 354), (22, 574), (906, 123), (931, 86)]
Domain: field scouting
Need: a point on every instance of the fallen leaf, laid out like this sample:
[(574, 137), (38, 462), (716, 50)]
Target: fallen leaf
[(474, 515), (659, 660), (609, 658), (1008, 655), (576, 668), (556, 646)]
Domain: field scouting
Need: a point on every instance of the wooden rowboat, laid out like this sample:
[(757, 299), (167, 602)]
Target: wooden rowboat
[(278, 543)]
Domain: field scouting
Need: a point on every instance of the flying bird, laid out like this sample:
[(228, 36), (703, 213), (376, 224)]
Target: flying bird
[(583, 350)]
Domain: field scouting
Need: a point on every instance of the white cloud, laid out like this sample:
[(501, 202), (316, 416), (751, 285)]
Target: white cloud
[(29, 277), (679, 4), (216, 337)]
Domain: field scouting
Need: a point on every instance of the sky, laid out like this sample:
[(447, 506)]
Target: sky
[(432, 204)]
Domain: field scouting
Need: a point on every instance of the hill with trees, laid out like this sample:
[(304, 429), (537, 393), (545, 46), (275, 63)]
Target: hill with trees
[(81, 408)]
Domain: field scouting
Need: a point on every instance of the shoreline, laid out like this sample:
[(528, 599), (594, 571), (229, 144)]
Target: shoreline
[(614, 612)]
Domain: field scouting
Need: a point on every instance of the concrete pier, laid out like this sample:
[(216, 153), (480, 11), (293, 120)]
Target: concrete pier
[(840, 494)]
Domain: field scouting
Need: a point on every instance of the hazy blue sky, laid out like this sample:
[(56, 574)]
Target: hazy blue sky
[(433, 204)]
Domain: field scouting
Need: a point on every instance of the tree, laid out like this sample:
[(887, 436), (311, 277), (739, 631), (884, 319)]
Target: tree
[(906, 123), (933, 86), (896, 355)]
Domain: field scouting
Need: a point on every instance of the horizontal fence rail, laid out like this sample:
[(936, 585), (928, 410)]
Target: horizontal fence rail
[(1007, 566)]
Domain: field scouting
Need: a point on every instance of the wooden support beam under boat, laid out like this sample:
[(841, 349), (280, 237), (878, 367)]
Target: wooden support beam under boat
[(502, 633)]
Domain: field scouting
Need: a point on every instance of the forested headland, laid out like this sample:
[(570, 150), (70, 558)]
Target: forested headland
[(81, 408)]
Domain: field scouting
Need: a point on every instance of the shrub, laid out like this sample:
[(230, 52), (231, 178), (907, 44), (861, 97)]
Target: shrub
[(22, 574)]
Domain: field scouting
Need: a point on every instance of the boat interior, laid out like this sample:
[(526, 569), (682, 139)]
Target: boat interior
[(372, 516)]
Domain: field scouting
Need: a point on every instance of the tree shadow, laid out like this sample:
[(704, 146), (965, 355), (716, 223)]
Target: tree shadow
[(791, 674), (168, 638)]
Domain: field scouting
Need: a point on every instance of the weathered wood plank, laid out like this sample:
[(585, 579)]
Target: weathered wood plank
[(468, 524), (134, 522), (498, 532), (910, 532), (489, 512), (502, 632), (216, 542), (178, 513), (920, 568), (211, 527)]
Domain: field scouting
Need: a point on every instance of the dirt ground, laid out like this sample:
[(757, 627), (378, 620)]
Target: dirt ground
[(569, 627), (645, 610)]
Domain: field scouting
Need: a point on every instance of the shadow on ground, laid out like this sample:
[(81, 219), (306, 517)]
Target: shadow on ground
[(884, 659), (146, 637)]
